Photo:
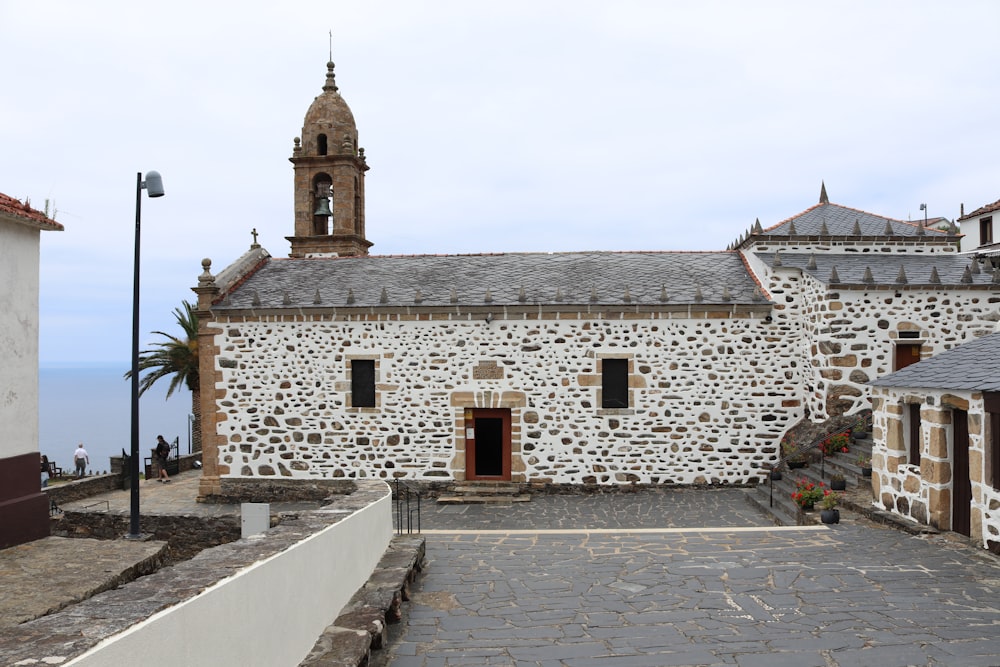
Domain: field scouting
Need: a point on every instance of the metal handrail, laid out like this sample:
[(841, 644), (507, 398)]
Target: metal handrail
[(403, 498), (864, 420)]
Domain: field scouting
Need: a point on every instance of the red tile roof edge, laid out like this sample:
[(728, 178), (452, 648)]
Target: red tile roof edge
[(22, 212)]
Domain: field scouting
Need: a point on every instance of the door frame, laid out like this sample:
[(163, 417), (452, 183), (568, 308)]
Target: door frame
[(470, 443)]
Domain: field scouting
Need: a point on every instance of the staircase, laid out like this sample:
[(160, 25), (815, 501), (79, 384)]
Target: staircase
[(783, 509), (504, 493)]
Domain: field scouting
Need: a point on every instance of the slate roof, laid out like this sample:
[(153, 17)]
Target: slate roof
[(971, 366), (839, 221), (547, 279), (16, 211), (885, 268)]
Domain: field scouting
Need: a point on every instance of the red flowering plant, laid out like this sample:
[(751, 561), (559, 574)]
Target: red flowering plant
[(837, 443), (807, 493)]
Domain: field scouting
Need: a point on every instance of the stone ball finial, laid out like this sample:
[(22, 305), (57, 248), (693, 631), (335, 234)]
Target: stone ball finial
[(206, 277)]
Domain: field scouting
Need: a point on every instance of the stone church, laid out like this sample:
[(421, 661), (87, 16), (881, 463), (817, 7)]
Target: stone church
[(567, 368)]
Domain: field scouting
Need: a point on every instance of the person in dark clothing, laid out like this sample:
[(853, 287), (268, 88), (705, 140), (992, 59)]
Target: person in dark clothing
[(162, 452)]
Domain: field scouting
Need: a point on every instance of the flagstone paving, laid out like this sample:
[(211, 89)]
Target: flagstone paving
[(690, 577)]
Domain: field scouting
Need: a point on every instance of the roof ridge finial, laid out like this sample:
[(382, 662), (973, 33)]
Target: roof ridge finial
[(868, 278), (331, 79), (834, 276), (812, 262), (935, 279), (901, 277), (757, 229), (823, 199)]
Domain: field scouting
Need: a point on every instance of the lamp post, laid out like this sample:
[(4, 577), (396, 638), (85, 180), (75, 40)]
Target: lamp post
[(154, 187)]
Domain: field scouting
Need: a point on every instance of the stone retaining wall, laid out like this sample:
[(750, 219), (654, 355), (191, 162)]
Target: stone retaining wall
[(78, 489), (185, 535), (303, 572)]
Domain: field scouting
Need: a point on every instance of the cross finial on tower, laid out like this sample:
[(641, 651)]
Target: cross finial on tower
[(253, 233)]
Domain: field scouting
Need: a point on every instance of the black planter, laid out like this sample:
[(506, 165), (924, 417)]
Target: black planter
[(792, 465), (866, 472), (829, 516), (838, 484), (776, 475)]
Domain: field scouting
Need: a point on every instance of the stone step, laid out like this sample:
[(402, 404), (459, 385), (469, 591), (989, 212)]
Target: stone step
[(486, 488), (478, 498)]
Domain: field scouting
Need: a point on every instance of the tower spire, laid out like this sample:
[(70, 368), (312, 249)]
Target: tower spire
[(823, 199)]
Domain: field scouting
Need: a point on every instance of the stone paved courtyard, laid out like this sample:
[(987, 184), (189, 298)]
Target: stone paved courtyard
[(690, 578)]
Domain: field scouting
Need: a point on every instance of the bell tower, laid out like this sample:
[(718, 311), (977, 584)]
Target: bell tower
[(329, 180)]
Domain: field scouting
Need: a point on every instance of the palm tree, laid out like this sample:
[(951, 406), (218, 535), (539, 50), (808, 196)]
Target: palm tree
[(177, 357)]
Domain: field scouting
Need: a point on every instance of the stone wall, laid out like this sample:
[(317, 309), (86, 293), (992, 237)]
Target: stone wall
[(848, 336), (184, 535), (710, 397), (923, 492), (78, 489)]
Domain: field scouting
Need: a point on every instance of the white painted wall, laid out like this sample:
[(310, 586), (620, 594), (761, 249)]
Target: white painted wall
[(269, 614), (19, 262)]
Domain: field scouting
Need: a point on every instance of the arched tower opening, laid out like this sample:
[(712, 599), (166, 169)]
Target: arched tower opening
[(329, 180)]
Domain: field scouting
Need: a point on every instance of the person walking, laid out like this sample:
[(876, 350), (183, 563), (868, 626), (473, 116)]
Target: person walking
[(46, 471), (162, 454), (81, 460)]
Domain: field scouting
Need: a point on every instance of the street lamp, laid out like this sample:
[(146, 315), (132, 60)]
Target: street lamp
[(153, 185)]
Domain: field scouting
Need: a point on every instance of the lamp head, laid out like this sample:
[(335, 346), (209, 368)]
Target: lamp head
[(153, 184)]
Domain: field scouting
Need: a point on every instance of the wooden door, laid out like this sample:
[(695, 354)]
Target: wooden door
[(487, 445), (906, 354), (961, 494)]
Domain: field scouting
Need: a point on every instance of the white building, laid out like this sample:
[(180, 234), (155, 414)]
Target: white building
[(24, 508), (566, 368), (937, 431)]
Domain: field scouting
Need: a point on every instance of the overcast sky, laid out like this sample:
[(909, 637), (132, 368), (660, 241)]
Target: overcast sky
[(488, 126)]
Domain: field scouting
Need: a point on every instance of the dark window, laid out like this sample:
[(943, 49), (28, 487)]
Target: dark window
[(614, 383), (913, 410), (363, 383), (985, 231), (321, 144), (992, 401)]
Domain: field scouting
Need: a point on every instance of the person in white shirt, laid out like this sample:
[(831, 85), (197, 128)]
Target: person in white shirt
[(81, 460)]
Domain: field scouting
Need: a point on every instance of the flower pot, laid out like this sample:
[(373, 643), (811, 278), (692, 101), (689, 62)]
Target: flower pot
[(796, 464), (866, 472), (776, 475), (838, 484), (830, 516), (807, 507)]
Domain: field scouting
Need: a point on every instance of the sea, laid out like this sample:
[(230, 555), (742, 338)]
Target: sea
[(92, 404)]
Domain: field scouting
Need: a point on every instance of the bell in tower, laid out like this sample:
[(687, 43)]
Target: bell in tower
[(329, 180)]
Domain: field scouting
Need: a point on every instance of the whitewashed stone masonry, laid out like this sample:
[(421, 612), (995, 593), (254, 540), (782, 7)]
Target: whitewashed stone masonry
[(710, 398)]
